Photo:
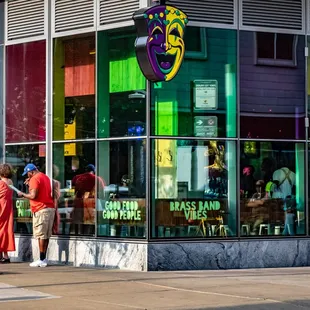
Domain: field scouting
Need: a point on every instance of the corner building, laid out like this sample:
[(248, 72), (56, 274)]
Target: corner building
[(207, 171)]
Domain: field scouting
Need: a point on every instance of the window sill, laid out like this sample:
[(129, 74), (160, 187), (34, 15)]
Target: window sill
[(276, 63)]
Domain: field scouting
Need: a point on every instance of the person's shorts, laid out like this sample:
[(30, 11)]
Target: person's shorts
[(43, 221)]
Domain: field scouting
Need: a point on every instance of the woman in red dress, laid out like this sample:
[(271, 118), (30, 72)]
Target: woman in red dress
[(7, 242)]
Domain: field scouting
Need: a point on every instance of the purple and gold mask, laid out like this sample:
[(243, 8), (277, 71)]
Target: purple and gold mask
[(159, 45)]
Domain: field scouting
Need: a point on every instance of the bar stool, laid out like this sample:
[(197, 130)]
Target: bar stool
[(264, 226), (190, 228), (167, 232), (213, 230), (277, 230), (245, 229), (224, 230)]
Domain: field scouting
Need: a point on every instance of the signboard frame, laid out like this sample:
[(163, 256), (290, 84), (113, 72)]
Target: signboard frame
[(205, 95), (208, 123)]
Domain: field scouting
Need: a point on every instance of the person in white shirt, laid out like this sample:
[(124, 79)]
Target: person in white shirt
[(286, 179)]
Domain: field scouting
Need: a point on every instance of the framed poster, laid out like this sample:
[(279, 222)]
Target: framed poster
[(205, 95)]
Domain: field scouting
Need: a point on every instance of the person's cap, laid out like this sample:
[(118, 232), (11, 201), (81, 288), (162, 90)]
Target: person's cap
[(28, 168), (91, 167)]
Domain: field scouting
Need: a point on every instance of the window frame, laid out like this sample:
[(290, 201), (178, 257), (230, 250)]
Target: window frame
[(202, 54), (276, 62)]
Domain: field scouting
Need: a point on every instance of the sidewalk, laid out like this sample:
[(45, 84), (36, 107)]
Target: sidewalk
[(63, 287)]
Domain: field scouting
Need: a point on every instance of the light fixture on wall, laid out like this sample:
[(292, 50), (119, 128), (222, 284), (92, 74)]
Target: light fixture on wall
[(139, 94)]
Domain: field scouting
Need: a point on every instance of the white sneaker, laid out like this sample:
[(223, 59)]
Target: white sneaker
[(39, 263)]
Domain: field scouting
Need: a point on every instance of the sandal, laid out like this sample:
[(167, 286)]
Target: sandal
[(5, 261)]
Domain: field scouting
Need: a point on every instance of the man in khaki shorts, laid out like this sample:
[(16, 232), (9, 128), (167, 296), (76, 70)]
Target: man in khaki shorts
[(42, 207)]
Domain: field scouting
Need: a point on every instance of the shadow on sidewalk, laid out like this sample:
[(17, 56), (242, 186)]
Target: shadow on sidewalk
[(276, 305)]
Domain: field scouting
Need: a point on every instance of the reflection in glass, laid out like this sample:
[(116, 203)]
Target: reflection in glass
[(121, 87), (74, 88), (121, 208), (272, 87), (25, 92), (272, 189), (1, 99), (201, 100), (75, 174), (308, 80), (193, 189), (19, 156)]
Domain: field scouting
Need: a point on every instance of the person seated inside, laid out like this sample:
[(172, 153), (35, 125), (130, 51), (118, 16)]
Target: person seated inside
[(259, 208)]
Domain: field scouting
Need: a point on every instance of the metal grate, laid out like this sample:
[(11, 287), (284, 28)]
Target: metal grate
[(207, 11), (116, 11), (71, 15), (25, 18), (276, 14)]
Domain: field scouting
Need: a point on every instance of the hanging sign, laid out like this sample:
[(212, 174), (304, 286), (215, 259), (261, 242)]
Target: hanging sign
[(159, 45)]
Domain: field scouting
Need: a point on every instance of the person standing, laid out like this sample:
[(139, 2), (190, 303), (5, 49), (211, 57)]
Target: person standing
[(7, 242), (42, 208)]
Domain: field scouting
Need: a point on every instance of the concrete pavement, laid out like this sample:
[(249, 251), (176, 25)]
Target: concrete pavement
[(64, 287)]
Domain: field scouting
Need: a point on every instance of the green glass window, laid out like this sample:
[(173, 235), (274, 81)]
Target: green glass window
[(272, 188), (74, 180), (74, 88), (201, 100), (19, 156), (193, 189), (121, 206), (121, 87)]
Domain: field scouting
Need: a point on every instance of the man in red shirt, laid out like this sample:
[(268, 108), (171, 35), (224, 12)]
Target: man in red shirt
[(42, 207)]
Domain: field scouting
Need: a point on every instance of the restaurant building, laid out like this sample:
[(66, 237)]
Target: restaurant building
[(206, 171)]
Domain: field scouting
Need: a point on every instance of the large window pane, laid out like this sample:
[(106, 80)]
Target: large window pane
[(201, 100), (1, 102), (121, 87), (19, 156), (25, 92), (272, 85), (308, 79), (193, 189), (121, 207), (272, 188), (76, 180), (74, 88)]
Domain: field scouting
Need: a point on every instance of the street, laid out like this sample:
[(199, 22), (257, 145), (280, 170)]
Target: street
[(65, 287)]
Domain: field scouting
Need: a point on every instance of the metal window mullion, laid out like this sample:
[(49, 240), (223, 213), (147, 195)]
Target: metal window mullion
[(275, 46), (238, 164), (5, 21), (53, 14), (96, 136), (73, 141), (49, 92), (4, 101), (307, 138), (148, 172)]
